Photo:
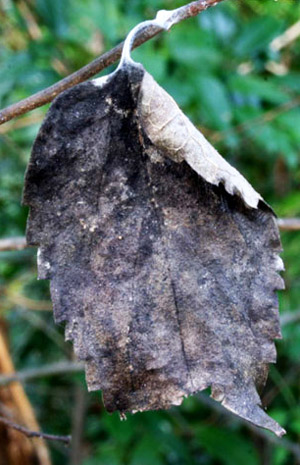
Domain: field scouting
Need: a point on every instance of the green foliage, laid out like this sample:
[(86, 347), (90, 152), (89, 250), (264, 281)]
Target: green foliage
[(244, 95)]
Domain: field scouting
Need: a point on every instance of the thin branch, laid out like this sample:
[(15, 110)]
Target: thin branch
[(26, 302), (34, 434), (13, 243), (33, 28), (289, 224), (266, 117), (289, 378), (48, 94), (290, 317), (79, 414), (19, 243), (33, 118), (68, 367), (60, 368), (291, 34)]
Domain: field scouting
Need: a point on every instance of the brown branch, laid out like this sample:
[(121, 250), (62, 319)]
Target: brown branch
[(34, 434), (18, 408), (266, 117), (289, 224), (291, 34), (79, 414), (48, 94), (26, 302), (59, 368), (13, 243), (33, 118), (290, 317), (19, 243)]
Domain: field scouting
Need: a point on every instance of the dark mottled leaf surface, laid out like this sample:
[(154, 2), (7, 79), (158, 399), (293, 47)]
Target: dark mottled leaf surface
[(166, 282)]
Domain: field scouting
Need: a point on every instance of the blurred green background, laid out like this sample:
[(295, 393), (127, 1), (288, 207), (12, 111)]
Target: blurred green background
[(241, 88)]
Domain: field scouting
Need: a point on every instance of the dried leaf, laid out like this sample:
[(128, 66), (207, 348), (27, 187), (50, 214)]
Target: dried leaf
[(166, 281), (173, 133)]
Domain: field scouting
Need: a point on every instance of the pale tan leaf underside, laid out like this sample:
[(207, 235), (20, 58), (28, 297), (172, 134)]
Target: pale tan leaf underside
[(174, 134)]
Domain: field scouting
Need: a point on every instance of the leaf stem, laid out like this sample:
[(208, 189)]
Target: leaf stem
[(47, 95)]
